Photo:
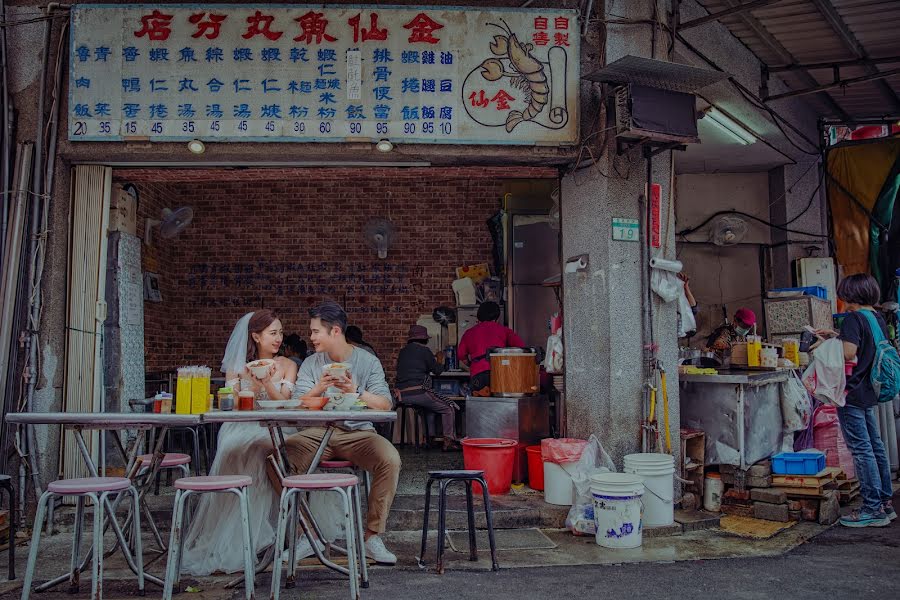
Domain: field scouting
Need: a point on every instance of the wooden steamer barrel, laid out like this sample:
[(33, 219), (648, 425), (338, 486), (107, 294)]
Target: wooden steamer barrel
[(514, 372)]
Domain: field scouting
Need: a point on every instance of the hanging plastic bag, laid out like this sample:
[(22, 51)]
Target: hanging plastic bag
[(796, 408), (687, 323), (553, 361), (665, 284), (825, 378), (594, 459), (562, 450)]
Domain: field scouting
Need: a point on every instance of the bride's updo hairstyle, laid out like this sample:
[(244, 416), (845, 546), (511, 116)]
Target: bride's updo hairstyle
[(258, 323)]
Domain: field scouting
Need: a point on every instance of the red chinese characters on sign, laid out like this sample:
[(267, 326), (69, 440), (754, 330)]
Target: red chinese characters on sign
[(156, 26), (260, 24), (540, 23), (313, 27), (372, 33), (421, 29), (560, 39), (561, 23), (211, 27), (655, 219), (501, 99), (540, 38)]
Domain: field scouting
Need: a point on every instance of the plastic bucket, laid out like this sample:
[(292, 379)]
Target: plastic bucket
[(535, 468), (558, 486), (618, 510), (494, 456), (658, 472)]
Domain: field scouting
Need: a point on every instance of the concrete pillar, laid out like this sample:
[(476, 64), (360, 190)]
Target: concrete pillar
[(603, 305)]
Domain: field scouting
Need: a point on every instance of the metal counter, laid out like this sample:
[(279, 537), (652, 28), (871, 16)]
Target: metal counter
[(525, 419), (740, 412)]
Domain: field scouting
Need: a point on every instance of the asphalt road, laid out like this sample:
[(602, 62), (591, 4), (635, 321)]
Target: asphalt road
[(840, 563)]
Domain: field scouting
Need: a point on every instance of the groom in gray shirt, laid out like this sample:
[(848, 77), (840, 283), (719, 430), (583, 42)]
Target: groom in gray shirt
[(354, 441)]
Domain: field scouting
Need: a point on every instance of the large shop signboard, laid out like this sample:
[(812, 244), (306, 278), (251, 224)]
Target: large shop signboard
[(323, 73)]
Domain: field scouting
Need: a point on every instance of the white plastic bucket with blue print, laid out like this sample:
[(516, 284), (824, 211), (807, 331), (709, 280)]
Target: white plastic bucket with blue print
[(618, 509)]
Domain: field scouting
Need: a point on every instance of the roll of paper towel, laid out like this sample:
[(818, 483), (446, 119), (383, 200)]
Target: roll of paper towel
[(663, 264)]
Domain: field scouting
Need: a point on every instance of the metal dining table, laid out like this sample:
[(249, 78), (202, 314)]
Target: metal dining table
[(115, 422), (276, 421)]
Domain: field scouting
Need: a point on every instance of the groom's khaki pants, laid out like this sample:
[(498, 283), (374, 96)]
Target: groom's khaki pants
[(368, 451)]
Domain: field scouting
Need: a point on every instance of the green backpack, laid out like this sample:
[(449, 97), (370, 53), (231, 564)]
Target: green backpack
[(885, 373)]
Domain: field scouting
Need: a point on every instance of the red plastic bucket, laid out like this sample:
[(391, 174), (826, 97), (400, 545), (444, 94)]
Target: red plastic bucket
[(494, 456), (535, 468)]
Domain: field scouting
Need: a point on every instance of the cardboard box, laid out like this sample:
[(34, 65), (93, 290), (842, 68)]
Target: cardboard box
[(123, 209)]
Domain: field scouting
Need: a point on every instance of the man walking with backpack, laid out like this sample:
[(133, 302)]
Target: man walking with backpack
[(862, 332)]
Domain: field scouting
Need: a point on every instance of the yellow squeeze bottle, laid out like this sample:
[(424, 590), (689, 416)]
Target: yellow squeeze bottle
[(183, 392), (754, 349), (200, 391)]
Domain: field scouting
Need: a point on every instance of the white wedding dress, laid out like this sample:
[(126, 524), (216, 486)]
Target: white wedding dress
[(214, 540)]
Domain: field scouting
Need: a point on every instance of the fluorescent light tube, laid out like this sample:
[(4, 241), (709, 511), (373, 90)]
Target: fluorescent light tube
[(737, 131)]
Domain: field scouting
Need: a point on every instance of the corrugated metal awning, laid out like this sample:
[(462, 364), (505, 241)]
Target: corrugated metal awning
[(812, 36)]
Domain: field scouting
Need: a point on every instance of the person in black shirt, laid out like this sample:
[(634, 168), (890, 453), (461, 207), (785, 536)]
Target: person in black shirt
[(415, 366), (858, 419)]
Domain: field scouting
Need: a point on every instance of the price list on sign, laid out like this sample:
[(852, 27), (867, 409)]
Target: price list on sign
[(323, 73)]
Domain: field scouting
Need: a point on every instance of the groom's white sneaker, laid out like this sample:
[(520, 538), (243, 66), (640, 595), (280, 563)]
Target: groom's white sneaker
[(303, 549), (376, 551)]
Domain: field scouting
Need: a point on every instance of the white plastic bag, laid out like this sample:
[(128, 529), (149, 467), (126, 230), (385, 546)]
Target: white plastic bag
[(796, 408), (825, 378), (594, 459), (665, 284), (686, 320), (553, 361)]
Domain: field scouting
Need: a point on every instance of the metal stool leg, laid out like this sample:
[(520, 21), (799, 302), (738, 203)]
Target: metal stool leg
[(249, 555), (473, 545), (174, 545), (421, 558), (97, 561), (284, 512), (488, 515), (442, 522), (138, 544), (360, 536), (74, 570), (352, 550), (402, 410), (35, 542)]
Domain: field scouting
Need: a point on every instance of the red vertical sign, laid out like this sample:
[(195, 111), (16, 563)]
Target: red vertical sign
[(655, 202)]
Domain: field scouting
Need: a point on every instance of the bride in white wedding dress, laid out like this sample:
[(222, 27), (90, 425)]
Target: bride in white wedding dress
[(213, 542)]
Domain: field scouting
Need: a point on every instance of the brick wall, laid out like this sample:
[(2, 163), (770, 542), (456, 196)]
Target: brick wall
[(287, 241)]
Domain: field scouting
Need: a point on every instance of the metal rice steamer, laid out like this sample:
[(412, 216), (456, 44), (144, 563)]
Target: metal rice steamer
[(514, 372)]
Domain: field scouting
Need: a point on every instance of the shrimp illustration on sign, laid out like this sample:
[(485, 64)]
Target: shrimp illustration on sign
[(540, 84)]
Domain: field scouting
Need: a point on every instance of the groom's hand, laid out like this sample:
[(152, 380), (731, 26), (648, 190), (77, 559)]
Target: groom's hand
[(345, 384)]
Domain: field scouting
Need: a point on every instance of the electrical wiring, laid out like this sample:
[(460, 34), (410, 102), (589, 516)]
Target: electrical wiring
[(754, 100), (691, 230)]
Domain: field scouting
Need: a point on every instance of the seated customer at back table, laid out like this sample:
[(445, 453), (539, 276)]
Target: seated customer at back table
[(478, 340), (415, 366)]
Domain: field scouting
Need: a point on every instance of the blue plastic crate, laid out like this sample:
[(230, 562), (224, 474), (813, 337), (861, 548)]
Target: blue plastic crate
[(798, 463), (814, 290)]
